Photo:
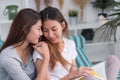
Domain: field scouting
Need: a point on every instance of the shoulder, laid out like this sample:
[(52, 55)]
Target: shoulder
[(69, 41), (8, 52), (7, 56), (70, 46), (36, 55)]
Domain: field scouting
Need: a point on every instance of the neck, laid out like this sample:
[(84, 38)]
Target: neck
[(60, 45), (24, 52)]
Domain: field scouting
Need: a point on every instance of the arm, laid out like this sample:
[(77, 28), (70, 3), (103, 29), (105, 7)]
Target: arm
[(73, 66), (76, 73), (42, 65), (14, 69), (42, 69), (72, 69)]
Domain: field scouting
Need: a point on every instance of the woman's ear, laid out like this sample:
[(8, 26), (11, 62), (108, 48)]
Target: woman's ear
[(24, 30), (63, 25)]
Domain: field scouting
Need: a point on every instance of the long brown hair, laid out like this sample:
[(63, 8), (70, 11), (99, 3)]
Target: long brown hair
[(20, 27), (54, 14)]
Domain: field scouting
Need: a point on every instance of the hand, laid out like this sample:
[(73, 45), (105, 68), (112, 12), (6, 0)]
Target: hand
[(82, 71), (73, 68), (43, 49)]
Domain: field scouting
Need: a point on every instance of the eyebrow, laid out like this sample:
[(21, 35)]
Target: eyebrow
[(51, 27)]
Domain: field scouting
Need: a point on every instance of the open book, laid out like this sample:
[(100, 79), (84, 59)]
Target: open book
[(99, 72)]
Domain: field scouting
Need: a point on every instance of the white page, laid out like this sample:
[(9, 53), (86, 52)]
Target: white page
[(100, 69)]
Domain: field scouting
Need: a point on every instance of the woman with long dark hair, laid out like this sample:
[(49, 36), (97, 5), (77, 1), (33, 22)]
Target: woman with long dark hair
[(16, 62)]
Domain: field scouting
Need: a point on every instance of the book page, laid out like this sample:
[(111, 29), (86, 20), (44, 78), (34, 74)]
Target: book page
[(100, 69)]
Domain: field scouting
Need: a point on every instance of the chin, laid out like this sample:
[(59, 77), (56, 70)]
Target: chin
[(35, 42), (53, 42)]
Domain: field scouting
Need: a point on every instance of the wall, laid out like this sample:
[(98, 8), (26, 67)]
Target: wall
[(90, 13), (97, 51), (90, 16)]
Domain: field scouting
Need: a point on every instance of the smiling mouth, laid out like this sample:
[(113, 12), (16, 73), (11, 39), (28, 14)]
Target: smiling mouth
[(52, 40)]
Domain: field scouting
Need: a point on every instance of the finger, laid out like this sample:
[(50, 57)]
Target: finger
[(88, 68), (84, 69), (41, 43), (86, 74), (34, 46)]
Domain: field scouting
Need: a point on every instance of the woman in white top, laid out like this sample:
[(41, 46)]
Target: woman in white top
[(62, 63)]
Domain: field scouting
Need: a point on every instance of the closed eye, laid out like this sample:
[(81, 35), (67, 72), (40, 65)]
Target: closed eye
[(54, 29), (39, 28), (45, 30)]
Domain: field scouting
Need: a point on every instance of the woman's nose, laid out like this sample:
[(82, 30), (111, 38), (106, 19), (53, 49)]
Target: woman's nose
[(41, 33), (50, 34)]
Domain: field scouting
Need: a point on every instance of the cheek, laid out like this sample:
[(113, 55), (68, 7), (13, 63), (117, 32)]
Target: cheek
[(59, 33), (32, 38), (34, 41), (45, 34)]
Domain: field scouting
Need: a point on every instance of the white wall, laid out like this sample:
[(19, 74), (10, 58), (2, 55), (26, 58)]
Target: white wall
[(90, 13), (90, 16)]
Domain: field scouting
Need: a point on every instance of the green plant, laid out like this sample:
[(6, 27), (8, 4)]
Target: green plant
[(111, 26), (73, 13), (102, 4)]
